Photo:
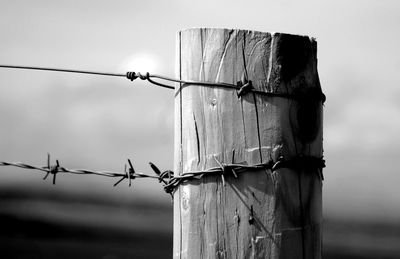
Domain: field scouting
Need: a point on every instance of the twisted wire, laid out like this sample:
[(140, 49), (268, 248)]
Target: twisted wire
[(299, 162)]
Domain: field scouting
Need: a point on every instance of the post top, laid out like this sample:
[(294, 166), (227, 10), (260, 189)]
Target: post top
[(272, 33)]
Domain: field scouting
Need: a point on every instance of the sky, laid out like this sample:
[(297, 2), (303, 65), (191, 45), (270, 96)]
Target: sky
[(98, 122)]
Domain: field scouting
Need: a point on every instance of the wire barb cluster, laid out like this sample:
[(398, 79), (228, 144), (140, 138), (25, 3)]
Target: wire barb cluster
[(223, 170)]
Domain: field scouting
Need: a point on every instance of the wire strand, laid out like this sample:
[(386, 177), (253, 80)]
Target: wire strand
[(63, 70), (241, 87)]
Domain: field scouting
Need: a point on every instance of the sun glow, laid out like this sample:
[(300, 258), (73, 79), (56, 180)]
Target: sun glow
[(140, 62)]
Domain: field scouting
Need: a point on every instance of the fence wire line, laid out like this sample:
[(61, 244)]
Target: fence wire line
[(171, 181), (244, 86)]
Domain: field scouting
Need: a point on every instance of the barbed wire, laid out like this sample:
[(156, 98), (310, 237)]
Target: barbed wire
[(242, 87), (299, 162), (171, 181), (129, 174)]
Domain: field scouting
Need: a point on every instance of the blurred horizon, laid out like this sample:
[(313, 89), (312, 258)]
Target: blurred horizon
[(40, 223)]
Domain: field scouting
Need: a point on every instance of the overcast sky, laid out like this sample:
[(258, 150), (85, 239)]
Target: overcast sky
[(97, 122)]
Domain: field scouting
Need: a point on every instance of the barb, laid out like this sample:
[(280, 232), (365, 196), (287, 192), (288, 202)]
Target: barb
[(51, 169), (242, 87)]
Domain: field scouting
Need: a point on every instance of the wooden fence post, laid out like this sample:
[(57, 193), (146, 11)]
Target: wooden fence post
[(264, 213)]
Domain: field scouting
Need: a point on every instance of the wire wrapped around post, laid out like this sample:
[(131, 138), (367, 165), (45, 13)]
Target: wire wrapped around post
[(172, 181)]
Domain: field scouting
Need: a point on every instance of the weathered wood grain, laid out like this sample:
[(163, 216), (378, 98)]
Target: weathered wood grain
[(212, 220)]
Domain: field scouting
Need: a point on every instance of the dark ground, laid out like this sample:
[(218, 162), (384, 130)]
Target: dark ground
[(31, 227)]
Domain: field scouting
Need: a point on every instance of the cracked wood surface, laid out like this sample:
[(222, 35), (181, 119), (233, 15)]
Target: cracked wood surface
[(212, 220)]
